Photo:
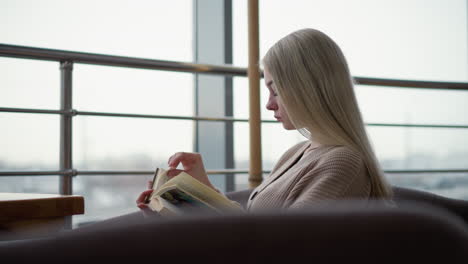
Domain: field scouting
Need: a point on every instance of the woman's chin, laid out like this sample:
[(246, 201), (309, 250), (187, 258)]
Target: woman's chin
[(288, 127)]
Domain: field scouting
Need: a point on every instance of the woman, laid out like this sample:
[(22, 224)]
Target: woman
[(311, 90)]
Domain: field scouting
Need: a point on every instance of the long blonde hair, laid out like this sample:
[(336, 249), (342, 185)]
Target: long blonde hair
[(313, 81)]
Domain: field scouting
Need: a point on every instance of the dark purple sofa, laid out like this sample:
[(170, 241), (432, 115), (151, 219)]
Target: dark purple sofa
[(423, 228)]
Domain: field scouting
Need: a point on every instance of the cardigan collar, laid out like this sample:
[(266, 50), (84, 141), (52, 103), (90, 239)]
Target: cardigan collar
[(286, 166)]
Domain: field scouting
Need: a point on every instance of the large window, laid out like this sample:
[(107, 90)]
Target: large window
[(121, 28)]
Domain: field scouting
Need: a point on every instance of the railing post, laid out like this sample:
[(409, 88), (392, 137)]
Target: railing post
[(253, 72), (66, 68)]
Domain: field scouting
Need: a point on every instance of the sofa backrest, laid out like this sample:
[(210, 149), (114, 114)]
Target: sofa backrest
[(456, 206), (401, 195), (240, 196)]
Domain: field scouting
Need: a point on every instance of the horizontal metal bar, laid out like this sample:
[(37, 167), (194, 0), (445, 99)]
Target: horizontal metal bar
[(407, 171), (16, 51), (399, 125), (98, 173), (33, 173), (416, 125), (230, 171), (119, 61), (227, 171), (426, 171), (31, 111), (86, 113), (220, 171), (411, 83), (199, 118)]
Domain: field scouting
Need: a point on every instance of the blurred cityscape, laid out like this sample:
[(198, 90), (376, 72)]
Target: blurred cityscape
[(108, 196)]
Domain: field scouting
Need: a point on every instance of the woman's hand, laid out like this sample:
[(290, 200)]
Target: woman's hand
[(141, 200), (192, 164)]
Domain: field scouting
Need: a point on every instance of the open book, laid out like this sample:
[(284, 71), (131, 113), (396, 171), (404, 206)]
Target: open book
[(184, 194)]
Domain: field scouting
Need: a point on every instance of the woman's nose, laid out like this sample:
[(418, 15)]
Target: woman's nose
[(271, 104)]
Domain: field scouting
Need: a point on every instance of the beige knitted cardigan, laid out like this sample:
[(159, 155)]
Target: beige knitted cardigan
[(304, 176)]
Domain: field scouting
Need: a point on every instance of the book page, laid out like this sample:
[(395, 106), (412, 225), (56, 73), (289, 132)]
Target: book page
[(184, 201), (186, 184), (164, 207), (160, 177)]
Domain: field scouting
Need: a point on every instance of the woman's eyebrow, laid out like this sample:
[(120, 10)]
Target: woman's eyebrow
[(269, 83)]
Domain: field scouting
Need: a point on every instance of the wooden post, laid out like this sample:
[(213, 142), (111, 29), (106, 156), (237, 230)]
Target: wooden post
[(255, 171)]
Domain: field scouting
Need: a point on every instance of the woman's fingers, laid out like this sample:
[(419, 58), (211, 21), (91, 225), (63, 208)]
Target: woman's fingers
[(174, 160), (143, 195), (188, 160), (142, 206), (150, 184)]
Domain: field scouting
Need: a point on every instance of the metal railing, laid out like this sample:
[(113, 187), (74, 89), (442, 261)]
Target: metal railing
[(15, 51), (118, 61), (220, 171), (67, 112)]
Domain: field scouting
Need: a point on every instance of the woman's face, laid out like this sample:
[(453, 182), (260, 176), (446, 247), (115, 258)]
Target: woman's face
[(274, 103)]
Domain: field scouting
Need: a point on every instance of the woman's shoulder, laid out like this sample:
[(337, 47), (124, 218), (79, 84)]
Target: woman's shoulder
[(341, 155), (340, 150)]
